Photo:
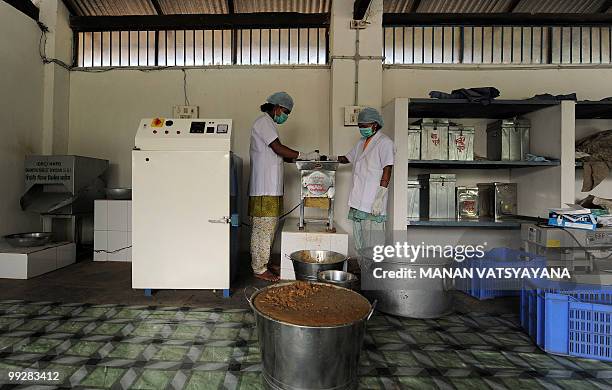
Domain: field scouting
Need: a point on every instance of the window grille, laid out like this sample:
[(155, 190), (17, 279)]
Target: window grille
[(302, 46), (497, 45)]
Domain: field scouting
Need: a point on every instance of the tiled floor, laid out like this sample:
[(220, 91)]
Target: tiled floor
[(145, 347)]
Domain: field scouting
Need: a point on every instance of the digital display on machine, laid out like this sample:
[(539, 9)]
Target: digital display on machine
[(222, 129), (197, 127)]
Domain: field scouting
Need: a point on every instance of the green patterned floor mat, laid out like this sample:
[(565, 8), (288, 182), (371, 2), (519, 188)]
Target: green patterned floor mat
[(142, 347)]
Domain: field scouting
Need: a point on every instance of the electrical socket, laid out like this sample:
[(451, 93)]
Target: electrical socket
[(358, 24), (186, 112), (351, 113)]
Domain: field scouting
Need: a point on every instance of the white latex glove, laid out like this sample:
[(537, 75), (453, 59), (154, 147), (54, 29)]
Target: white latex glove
[(377, 206), (333, 157), (313, 156)]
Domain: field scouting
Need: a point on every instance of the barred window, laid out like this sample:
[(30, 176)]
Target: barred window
[(305, 46), (497, 45)]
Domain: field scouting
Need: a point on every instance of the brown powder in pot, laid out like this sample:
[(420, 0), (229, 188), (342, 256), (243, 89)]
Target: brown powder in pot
[(309, 304)]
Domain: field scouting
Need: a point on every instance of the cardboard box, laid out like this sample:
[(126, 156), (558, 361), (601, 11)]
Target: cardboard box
[(575, 216)]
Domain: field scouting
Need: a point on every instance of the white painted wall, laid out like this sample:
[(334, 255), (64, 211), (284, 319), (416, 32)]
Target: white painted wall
[(106, 108), (55, 15), (517, 83), (21, 83)]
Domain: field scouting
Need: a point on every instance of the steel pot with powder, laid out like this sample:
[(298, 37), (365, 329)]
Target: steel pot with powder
[(309, 350)]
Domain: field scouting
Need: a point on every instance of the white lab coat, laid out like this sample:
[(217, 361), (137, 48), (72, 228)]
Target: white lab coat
[(368, 167), (266, 166)]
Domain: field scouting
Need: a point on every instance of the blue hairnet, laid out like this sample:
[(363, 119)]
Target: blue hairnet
[(282, 99), (369, 115)]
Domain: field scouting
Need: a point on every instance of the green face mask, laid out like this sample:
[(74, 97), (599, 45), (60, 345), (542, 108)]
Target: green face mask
[(280, 119), (366, 132)]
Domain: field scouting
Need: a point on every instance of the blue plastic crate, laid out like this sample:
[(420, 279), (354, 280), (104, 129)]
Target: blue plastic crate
[(533, 309), (493, 288), (578, 328)]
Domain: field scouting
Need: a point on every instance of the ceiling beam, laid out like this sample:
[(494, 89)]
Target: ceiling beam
[(513, 5), (203, 21), (157, 7), (605, 6), (360, 8), (26, 7), (415, 6), (495, 19), (70, 7)]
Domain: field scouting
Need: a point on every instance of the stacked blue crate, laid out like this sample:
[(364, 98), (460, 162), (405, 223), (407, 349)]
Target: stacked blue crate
[(568, 318), (488, 288)]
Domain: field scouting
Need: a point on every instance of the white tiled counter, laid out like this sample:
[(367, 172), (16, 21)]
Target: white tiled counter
[(113, 230), (26, 263), (313, 237)]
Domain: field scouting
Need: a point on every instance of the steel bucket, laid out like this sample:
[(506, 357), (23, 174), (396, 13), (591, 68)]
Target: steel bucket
[(338, 278), (413, 298), (307, 264), (296, 357)]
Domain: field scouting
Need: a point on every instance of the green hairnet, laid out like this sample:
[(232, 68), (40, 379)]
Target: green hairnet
[(369, 115), (282, 99)]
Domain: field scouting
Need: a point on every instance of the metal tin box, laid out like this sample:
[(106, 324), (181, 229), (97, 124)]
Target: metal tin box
[(461, 143), (508, 140), (434, 139), (414, 142), (437, 196), (414, 189), (467, 202), (497, 200)]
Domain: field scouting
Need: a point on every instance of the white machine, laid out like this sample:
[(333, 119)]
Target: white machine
[(184, 204), (587, 254)]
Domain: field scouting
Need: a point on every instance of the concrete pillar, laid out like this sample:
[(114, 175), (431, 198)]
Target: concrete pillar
[(56, 90), (343, 76)]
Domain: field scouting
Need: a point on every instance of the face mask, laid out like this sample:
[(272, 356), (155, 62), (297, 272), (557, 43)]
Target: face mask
[(280, 119), (366, 132)]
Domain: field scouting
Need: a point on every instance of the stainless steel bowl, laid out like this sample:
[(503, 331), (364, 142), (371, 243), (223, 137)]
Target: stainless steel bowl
[(312, 165), (307, 264), (119, 193), (22, 240), (339, 278)]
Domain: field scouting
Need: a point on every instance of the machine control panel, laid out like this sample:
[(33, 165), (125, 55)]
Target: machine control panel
[(184, 134), (599, 237)]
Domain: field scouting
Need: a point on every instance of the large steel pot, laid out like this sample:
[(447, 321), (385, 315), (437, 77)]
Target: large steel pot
[(307, 264), (414, 298), (296, 357)]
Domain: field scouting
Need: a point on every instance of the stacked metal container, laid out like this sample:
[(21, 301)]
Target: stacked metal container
[(414, 142), (414, 190), (434, 139), (461, 143), (437, 195), (467, 203), (497, 200), (508, 140)]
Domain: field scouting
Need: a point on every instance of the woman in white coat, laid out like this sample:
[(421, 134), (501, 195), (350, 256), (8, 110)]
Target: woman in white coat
[(266, 181), (372, 160)]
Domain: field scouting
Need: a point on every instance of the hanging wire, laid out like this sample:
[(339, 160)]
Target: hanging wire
[(185, 86)]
